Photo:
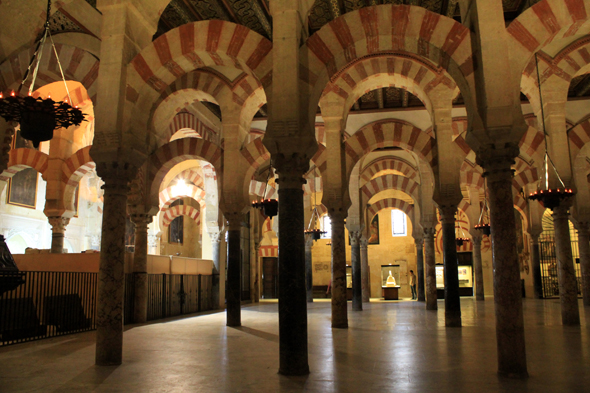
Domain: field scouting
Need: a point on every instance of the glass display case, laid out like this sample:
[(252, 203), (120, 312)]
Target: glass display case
[(465, 280), (395, 272)]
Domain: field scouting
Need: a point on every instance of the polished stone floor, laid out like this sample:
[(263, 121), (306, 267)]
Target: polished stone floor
[(389, 347)]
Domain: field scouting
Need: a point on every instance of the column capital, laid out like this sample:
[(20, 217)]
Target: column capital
[(429, 232), (234, 220), (364, 242), (215, 236), (355, 237), (291, 169), (58, 224), (141, 220), (117, 168), (447, 213), (476, 240), (419, 241), (497, 162)]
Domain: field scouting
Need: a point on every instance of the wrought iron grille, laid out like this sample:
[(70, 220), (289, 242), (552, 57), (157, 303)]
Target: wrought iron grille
[(549, 269), (175, 294), (48, 304)]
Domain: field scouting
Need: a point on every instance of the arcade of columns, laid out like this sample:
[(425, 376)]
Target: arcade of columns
[(141, 84)]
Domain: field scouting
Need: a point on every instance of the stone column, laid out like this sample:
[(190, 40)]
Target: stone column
[(234, 279), (420, 269), (111, 276), (477, 267), (507, 287), (140, 280), (536, 265), (215, 286), (308, 268), (584, 246), (292, 294), (566, 275), (339, 303), (355, 259), (365, 273), (451, 271), (58, 229), (430, 271)]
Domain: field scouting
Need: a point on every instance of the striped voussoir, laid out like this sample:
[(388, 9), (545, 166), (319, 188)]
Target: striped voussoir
[(190, 176), (471, 175), (170, 194), (268, 251), (387, 29), (72, 171), (23, 158), (524, 178), (578, 137), (390, 203), (168, 215), (77, 64), (389, 133), (186, 48), (544, 22), (390, 182), (255, 154), (186, 121), (532, 143), (172, 153), (313, 184), (388, 164)]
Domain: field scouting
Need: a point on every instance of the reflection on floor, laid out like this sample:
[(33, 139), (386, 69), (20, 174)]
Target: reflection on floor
[(389, 347)]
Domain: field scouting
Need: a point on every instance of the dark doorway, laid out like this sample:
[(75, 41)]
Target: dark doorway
[(270, 277)]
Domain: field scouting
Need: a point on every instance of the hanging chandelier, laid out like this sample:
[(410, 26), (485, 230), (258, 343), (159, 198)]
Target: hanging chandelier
[(316, 233), (39, 117), (459, 240), (483, 224), (269, 207), (550, 198)]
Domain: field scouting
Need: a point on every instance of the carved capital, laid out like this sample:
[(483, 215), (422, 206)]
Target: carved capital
[(497, 162), (291, 169), (58, 224), (364, 242), (141, 221), (234, 220), (215, 236), (447, 213), (117, 168), (429, 232), (355, 237)]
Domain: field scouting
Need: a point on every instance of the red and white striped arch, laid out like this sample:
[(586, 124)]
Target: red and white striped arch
[(388, 29), (388, 164), (389, 182), (191, 176), (167, 156), (268, 251), (388, 133), (578, 137), (390, 203), (171, 194), (545, 22), (72, 171), (192, 127), (23, 158), (168, 215), (77, 64)]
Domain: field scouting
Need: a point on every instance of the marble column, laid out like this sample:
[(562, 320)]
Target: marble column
[(507, 287), (430, 271), (478, 268), (365, 273), (216, 253), (355, 259), (234, 279), (58, 233), (451, 271), (584, 247), (536, 266), (566, 274), (140, 275), (308, 269), (420, 269), (339, 303), (293, 356), (111, 276)]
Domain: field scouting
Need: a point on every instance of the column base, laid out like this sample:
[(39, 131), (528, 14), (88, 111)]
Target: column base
[(294, 371), (452, 320)]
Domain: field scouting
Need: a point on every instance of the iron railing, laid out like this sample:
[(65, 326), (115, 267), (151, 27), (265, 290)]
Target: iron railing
[(50, 304), (549, 269)]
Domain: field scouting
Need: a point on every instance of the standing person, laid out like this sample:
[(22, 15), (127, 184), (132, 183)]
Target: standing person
[(413, 285)]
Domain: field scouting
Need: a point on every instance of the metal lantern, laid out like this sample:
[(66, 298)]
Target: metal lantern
[(39, 117), (269, 207)]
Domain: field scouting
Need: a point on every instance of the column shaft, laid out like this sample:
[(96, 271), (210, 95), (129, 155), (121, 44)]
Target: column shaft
[(355, 259), (111, 278), (140, 268), (451, 271), (365, 273), (292, 294), (566, 275), (234, 282), (584, 246), (478, 268), (308, 269), (536, 267), (420, 269), (215, 285), (339, 303), (507, 287), (430, 271)]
